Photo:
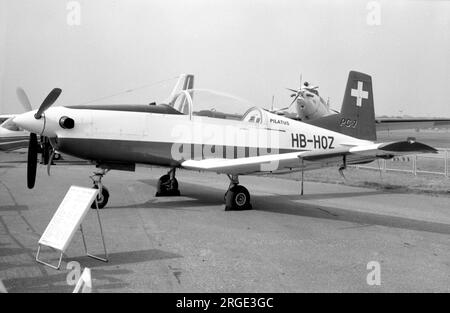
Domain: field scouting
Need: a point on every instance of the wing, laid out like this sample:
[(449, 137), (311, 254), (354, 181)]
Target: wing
[(308, 160), (13, 145), (411, 123)]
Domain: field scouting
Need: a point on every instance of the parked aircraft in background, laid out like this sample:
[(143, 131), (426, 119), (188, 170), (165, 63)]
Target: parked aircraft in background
[(307, 103), (11, 136), (310, 106), (175, 135)]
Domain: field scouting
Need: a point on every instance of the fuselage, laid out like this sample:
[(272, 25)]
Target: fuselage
[(110, 136)]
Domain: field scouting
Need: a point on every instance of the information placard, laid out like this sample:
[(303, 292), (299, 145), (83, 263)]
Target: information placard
[(68, 217)]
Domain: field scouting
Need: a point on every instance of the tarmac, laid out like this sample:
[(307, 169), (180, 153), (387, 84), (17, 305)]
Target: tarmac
[(323, 241)]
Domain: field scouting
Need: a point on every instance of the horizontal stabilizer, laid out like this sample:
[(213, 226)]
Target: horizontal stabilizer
[(407, 147)]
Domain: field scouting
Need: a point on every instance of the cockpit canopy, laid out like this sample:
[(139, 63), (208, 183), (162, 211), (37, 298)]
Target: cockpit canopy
[(311, 90), (214, 104)]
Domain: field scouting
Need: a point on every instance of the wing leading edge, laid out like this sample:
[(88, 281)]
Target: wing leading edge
[(308, 160)]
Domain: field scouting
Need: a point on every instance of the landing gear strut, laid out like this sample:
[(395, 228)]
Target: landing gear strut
[(237, 197), (168, 185), (103, 194), (343, 166)]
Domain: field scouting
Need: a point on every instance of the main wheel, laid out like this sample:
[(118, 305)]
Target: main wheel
[(237, 198), (167, 186), (102, 199)]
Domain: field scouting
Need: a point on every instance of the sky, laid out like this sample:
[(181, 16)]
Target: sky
[(250, 48)]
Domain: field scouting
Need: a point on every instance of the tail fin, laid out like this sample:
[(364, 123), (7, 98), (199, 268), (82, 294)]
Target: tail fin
[(357, 117), (185, 82)]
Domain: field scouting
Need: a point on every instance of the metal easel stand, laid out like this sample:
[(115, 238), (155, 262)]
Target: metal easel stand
[(105, 259), (56, 267), (48, 264)]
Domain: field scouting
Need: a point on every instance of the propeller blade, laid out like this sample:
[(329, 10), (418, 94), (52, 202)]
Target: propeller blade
[(282, 109), (295, 99), (51, 98), (23, 99), (293, 90), (32, 160)]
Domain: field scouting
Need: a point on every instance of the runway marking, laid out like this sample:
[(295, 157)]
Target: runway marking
[(328, 212), (176, 272), (19, 212), (25, 249), (358, 226)]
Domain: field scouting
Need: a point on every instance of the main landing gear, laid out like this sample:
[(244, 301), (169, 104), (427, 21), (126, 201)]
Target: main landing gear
[(103, 194), (237, 197), (168, 185), (343, 167)]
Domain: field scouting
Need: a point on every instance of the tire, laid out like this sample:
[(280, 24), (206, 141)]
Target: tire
[(237, 198), (167, 187), (103, 200)]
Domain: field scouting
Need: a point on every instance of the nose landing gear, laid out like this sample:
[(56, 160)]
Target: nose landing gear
[(103, 194), (237, 198), (168, 185)]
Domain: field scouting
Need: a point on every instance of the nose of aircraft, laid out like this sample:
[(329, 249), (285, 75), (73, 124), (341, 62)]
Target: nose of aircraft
[(301, 101), (28, 122)]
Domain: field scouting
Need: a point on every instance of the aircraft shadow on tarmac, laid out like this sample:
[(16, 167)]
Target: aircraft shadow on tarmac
[(104, 278), (201, 195)]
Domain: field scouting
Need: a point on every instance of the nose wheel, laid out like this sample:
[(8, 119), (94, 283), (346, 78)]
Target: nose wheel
[(237, 198), (103, 194), (168, 185), (102, 198)]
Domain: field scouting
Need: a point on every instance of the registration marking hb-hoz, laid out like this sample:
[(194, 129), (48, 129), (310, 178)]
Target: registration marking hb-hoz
[(318, 141)]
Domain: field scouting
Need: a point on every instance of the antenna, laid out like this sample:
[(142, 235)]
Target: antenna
[(273, 100)]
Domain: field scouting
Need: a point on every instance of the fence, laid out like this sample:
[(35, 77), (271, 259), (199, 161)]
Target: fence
[(434, 164)]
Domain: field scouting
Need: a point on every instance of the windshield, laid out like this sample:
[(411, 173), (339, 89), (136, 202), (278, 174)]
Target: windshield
[(211, 103)]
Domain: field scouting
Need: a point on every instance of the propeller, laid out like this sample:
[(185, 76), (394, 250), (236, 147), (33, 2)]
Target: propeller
[(48, 101), (296, 93), (33, 145), (33, 148), (23, 99), (300, 91)]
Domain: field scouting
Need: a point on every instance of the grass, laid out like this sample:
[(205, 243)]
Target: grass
[(389, 181), (434, 138), (431, 184)]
